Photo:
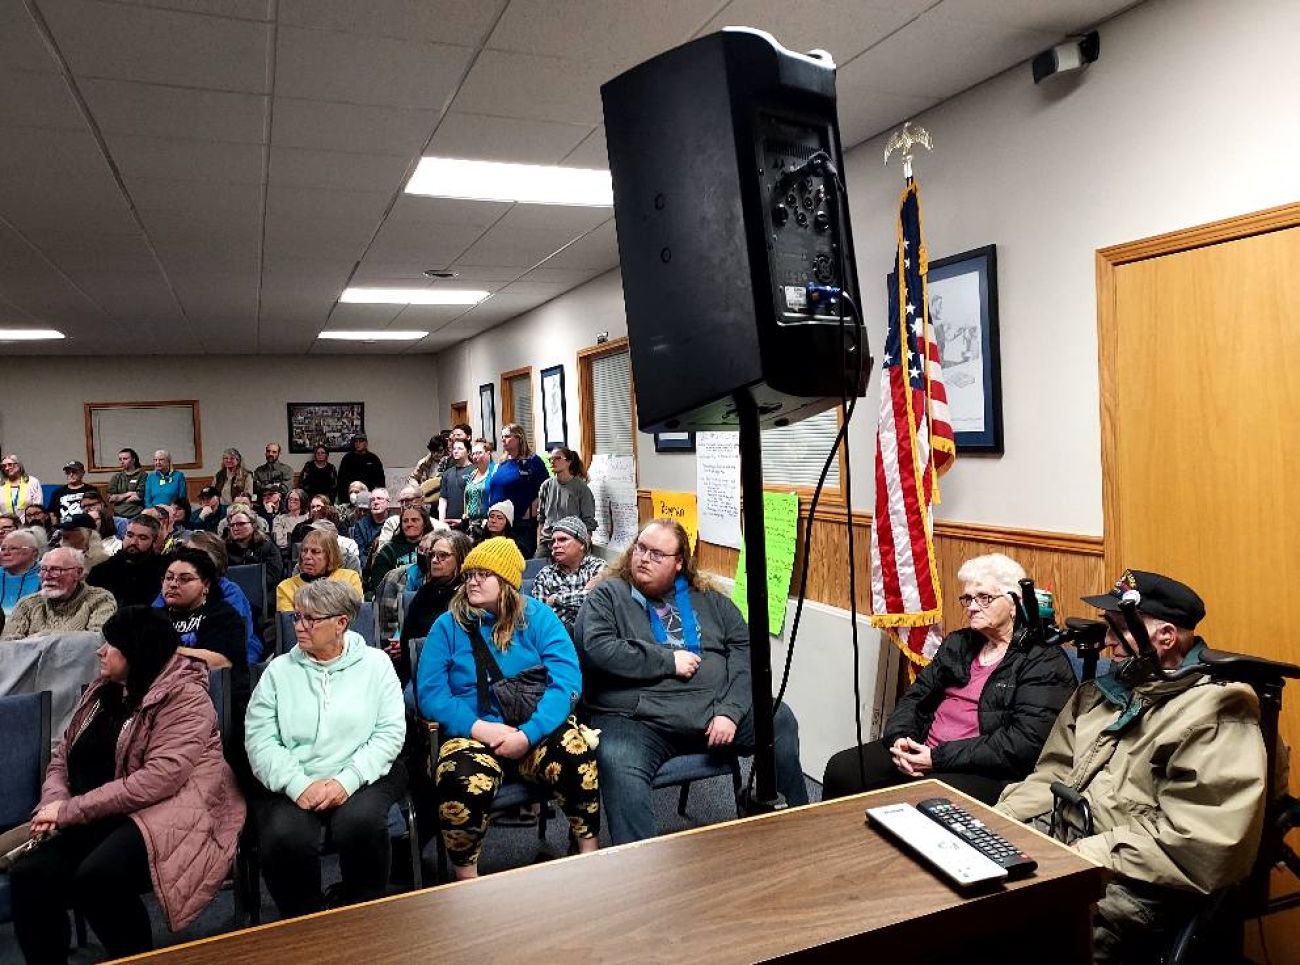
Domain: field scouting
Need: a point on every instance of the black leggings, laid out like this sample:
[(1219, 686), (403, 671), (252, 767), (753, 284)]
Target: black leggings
[(843, 775), (290, 840), (100, 868)]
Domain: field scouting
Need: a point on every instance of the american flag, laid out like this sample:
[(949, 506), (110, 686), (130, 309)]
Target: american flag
[(914, 446)]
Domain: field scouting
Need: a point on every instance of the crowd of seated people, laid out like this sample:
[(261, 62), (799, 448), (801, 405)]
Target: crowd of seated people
[(616, 669)]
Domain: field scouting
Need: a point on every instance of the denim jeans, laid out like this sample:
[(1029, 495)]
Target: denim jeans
[(632, 751)]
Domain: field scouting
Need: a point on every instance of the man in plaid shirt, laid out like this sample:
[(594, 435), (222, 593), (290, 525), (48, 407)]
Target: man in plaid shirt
[(564, 583)]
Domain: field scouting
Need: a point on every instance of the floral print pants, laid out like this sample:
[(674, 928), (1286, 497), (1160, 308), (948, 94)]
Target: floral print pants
[(468, 775)]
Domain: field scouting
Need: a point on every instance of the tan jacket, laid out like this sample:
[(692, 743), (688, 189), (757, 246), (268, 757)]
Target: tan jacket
[(1177, 796)]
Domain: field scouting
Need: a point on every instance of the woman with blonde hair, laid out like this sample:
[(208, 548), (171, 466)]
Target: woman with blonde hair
[(319, 558), (232, 479), (518, 478), (977, 715), (520, 725)]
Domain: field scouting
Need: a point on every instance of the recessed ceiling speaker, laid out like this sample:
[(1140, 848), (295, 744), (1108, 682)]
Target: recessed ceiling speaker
[(733, 233)]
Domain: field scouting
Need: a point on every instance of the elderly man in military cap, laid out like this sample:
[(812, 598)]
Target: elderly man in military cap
[(1173, 773)]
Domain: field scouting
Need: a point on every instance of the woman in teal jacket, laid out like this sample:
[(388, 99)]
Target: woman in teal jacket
[(324, 728), (480, 748)]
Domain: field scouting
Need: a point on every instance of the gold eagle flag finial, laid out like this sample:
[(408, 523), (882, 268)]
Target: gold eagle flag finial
[(903, 139)]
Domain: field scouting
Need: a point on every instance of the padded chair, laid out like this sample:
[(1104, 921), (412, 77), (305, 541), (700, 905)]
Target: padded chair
[(526, 586), (251, 578), (533, 567), (24, 755), (366, 624), (683, 770)]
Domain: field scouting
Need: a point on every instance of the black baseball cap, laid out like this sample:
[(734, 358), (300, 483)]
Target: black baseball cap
[(78, 521), (207, 492), (76, 464), (1156, 595)]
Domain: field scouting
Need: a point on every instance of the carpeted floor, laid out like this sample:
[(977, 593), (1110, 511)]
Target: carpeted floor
[(709, 802)]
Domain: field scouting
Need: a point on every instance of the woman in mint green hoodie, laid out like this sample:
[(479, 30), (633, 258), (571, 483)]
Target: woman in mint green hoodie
[(324, 728)]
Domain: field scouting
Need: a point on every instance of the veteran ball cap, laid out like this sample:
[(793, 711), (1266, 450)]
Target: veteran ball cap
[(1156, 595), (76, 464)]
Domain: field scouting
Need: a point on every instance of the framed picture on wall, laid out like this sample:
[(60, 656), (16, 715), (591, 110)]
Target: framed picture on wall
[(328, 424), (555, 421), (487, 412), (674, 442), (963, 294)]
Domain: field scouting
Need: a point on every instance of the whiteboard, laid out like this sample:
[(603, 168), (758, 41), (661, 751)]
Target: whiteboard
[(144, 427)]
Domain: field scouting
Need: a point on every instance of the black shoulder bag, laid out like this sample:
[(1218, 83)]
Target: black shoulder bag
[(517, 696)]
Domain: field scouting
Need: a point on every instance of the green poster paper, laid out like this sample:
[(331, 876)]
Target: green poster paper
[(780, 525)]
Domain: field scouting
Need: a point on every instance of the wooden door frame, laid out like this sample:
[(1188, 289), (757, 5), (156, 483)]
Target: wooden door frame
[(508, 398), (587, 400), (1109, 260), (459, 409)]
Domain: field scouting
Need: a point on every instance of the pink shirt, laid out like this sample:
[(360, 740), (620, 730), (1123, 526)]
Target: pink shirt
[(957, 717)]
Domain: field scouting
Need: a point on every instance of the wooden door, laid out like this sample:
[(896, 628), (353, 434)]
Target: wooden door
[(1200, 365), (459, 413)]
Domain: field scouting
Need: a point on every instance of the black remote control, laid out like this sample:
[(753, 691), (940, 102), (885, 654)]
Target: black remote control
[(977, 834)]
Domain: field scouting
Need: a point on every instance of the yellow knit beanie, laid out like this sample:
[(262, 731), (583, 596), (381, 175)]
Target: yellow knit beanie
[(498, 555)]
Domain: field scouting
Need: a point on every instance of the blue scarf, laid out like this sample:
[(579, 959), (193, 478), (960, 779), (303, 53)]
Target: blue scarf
[(690, 627)]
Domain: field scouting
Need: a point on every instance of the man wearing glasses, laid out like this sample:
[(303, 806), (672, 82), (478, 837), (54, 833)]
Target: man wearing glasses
[(1173, 773), (666, 672), (64, 602)]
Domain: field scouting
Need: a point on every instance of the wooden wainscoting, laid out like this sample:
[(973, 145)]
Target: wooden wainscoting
[(1068, 565)]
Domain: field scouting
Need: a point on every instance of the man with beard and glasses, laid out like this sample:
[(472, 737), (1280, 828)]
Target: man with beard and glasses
[(133, 575), (64, 602)]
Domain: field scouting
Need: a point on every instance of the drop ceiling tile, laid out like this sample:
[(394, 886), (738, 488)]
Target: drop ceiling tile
[(315, 223), (99, 252), (428, 317), (333, 66), (31, 99), (334, 126), (114, 40), (514, 248), (532, 87), (1059, 17), (21, 46), (233, 251), (571, 218), (843, 27), (336, 170), (597, 251), (172, 159), (568, 277), (216, 294), (544, 290), (935, 57), (364, 317), (432, 248), (610, 31), (865, 113), (243, 9), (440, 21), (424, 211), (130, 296), (123, 107), (516, 140), (591, 153)]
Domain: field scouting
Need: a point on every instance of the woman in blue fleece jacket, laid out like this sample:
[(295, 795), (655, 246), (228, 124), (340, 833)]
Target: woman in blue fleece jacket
[(480, 748), (324, 727)]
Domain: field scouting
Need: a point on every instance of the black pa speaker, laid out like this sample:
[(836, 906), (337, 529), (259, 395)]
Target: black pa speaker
[(733, 234)]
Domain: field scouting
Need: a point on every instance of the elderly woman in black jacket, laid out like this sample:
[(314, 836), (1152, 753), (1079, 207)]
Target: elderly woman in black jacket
[(978, 714)]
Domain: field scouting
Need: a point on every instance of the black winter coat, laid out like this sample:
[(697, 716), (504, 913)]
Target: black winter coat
[(1017, 707)]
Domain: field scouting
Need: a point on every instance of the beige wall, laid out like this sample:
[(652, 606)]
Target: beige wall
[(241, 399)]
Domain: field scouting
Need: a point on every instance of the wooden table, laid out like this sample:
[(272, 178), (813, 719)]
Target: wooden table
[(808, 884)]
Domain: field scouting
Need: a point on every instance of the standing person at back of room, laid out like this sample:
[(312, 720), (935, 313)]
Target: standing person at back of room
[(359, 465), (232, 479), (164, 484), (272, 473), (18, 490), (66, 500), (126, 488), (320, 477), (518, 478), (564, 494)]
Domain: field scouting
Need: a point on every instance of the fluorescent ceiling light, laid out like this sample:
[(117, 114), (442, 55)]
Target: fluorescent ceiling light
[(444, 177), (412, 296), (29, 334), (387, 335)]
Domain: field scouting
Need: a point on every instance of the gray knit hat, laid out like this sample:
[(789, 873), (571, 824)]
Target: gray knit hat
[(575, 528)]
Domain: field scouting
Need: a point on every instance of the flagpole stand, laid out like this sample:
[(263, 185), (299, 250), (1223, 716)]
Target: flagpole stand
[(765, 797)]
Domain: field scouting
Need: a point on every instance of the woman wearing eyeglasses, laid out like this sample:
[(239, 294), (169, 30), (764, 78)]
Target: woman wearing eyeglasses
[(323, 732), (978, 714), (519, 634), (440, 568)]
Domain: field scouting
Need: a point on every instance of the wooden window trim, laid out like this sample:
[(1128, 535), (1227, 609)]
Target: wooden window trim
[(586, 396), (508, 397)]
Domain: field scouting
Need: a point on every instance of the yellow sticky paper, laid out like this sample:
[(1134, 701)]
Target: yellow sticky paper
[(780, 526), (679, 507)]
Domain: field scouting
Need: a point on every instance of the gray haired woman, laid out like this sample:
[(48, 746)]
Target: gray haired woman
[(978, 714), (324, 729)]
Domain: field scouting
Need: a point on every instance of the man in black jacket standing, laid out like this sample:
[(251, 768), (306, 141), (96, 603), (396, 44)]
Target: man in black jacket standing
[(359, 465)]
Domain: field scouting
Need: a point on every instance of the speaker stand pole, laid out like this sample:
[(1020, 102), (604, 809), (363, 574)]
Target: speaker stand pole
[(765, 796)]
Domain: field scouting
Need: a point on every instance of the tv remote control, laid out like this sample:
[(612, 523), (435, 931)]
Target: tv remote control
[(944, 851), (977, 834)]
